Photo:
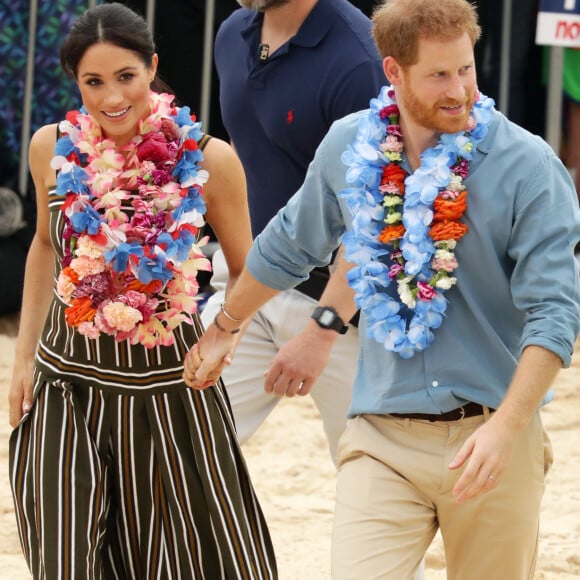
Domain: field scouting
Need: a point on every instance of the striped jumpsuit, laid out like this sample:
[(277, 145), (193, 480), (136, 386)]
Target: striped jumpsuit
[(120, 471)]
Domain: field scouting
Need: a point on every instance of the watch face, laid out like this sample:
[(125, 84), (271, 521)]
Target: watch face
[(327, 317)]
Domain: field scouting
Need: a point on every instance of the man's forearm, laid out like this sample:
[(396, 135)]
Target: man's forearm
[(338, 293), (534, 374)]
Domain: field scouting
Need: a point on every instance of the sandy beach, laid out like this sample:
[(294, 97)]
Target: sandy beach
[(294, 479)]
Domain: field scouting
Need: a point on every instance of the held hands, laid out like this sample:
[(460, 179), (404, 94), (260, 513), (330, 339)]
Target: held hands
[(205, 361), (486, 455)]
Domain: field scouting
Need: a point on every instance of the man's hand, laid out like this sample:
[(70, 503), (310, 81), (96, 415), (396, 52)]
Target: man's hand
[(299, 363), (485, 455), (489, 450)]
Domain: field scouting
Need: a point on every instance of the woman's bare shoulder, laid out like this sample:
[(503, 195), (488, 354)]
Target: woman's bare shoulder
[(44, 137), (221, 160), (40, 153), (217, 151)]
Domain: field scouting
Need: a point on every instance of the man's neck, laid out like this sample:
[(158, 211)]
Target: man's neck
[(280, 24), (416, 139)]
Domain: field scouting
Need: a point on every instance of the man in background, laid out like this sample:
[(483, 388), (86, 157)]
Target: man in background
[(288, 69)]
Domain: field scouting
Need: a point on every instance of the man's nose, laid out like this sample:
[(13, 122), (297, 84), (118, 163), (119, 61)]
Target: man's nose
[(456, 89)]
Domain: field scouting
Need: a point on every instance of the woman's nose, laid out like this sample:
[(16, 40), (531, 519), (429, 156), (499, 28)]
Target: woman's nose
[(113, 96)]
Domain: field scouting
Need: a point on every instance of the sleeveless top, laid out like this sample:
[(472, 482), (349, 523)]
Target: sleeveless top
[(65, 354)]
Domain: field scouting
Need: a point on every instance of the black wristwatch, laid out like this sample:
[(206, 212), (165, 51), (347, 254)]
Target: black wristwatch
[(327, 317)]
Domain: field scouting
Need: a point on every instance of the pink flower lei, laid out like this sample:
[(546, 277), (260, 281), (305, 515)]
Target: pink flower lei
[(132, 216)]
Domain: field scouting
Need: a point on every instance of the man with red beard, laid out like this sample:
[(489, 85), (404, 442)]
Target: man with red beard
[(469, 297)]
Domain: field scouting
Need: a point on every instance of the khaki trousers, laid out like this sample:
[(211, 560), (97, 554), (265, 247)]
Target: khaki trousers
[(394, 492)]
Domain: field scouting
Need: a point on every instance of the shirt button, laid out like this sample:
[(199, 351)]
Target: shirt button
[(435, 383)]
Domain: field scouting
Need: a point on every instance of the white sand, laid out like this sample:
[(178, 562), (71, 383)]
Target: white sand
[(294, 478)]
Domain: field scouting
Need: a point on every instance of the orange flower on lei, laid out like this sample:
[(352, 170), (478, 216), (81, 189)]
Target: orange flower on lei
[(411, 242)]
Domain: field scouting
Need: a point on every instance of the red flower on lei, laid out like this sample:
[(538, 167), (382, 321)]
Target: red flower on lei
[(132, 216), (405, 227)]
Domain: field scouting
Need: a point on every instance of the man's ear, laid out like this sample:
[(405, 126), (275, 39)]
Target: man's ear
[(392, 70)]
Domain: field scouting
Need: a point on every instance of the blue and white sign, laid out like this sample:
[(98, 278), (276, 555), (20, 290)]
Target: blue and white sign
[(559, 23)]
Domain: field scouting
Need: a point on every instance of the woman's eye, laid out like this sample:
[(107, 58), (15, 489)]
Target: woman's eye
[(93, 82), (127, 76)]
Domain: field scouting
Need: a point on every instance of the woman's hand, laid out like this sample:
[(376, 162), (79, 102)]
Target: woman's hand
[(20, 394)]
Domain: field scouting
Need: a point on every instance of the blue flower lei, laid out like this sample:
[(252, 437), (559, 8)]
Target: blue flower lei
[(387, 320)]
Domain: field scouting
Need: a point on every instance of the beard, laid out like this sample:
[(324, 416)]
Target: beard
[(431, 117), (261, 5)]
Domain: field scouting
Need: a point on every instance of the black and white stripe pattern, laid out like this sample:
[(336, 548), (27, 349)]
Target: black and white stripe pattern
[(135, 486)]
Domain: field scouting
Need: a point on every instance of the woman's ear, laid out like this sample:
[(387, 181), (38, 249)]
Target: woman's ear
[(153, 67), (392, 70)]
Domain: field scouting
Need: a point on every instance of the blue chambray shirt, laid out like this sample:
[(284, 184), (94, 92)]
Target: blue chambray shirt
[(517, 281)]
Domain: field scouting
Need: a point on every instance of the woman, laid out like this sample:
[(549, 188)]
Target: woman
[(118, 470)]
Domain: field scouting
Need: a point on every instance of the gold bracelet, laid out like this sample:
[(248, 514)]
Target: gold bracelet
[(221, 328), (229, 316)]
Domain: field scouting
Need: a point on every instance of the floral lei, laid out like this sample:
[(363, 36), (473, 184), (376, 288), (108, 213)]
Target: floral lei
[(411, 221), (132, 215)]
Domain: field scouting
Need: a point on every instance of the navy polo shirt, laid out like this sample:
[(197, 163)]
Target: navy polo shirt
[(277, 111)]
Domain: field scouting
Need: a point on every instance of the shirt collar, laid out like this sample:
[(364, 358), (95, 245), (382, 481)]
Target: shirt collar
[(312, 31), (485, 144)]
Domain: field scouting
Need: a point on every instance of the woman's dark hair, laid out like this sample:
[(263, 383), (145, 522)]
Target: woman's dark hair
[(113, 23)]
